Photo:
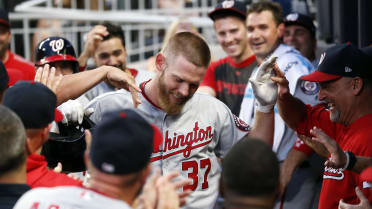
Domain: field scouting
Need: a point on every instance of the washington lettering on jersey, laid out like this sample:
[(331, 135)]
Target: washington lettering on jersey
[(185, 143)]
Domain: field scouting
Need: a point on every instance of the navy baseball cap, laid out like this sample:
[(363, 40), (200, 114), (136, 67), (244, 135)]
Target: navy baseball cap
[(344, 60), (34, 103), (4, 77), (4, 18), (300, 19), (229, 7), (123, 142)]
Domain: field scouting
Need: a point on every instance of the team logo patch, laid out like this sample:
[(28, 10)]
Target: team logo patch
[(240, 124), (309, 88), (227, 4)]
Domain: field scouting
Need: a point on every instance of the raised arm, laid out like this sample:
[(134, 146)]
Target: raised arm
[(291, 109)]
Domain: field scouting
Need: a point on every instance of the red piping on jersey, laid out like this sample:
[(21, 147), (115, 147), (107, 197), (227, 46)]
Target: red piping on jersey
[(134, 72), (178, 152), (142, 87)]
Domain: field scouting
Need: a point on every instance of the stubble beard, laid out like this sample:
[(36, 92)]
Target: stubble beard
[(164, 99)]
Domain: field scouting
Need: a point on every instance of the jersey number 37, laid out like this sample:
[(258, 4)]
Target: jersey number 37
[(193, 168)]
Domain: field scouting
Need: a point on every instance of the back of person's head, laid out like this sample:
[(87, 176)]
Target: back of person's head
[(272, 7), (114, 31), (12, 141), (34, 103), (122, 144), (4, 80), (191, 46), (250, 171)]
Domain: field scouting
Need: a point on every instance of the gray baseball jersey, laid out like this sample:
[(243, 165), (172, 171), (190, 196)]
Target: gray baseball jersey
[(193, 140), (67, 197)]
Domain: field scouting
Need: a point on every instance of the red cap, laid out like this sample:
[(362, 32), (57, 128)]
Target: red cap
[(318, 76), (366, 175)]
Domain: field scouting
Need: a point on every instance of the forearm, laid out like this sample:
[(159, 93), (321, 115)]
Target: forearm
[(72, 86), (361, 164), (291, 109), (263, 127), (294, 159)]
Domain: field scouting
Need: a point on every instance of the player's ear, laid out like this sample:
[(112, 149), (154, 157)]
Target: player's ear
[(160, 62), (280, 29)]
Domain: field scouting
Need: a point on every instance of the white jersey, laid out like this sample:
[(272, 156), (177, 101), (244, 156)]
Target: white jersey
[(193, 140), (67, 197), (294, 65)]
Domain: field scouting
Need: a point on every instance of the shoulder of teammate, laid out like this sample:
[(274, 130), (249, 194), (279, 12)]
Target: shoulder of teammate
[(32, 198), (224, 115), (110, 101)]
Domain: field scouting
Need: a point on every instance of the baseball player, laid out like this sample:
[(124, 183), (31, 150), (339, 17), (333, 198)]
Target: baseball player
[(343, 74), (119, 163), (265, 30), (197, 128), (106, 45), (299, 33), (227, 78)]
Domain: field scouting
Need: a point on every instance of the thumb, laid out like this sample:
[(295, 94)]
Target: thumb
[(58, 168), (360, 195), (89, 111)]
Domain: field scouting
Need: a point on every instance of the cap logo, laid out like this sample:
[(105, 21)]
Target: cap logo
[(292, 17), (321, 58), (228, 4), (348, 70), (57, 45), (109, 168)]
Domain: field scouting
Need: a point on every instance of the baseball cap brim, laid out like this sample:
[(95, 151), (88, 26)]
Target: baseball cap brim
[(366, 175), (318, 76), (224, 10), (55, 58), (5, 23)]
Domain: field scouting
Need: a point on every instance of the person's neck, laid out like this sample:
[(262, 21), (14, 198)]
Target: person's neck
[(262, 58), (152, 91), (5, 57), (17, 176), (364, 103), (245, 55), (127, 194)]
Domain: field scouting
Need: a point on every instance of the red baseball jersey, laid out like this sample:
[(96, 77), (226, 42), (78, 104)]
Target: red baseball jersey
[(19, 69), (338, 183)]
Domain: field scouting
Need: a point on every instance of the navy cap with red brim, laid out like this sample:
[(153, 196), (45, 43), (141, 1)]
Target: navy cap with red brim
[(318, 76)]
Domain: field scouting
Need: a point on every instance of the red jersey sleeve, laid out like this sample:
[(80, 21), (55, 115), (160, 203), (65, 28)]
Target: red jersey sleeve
[(302, 147)]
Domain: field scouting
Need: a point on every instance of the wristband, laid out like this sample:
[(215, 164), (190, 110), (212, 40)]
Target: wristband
[(350, 161), (264, 109)]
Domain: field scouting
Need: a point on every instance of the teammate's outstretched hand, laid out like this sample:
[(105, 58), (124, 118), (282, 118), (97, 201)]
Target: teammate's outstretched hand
[(264, 89), (280, 79), (123, 80), (364, 203), (46, 76), (338, 157)]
